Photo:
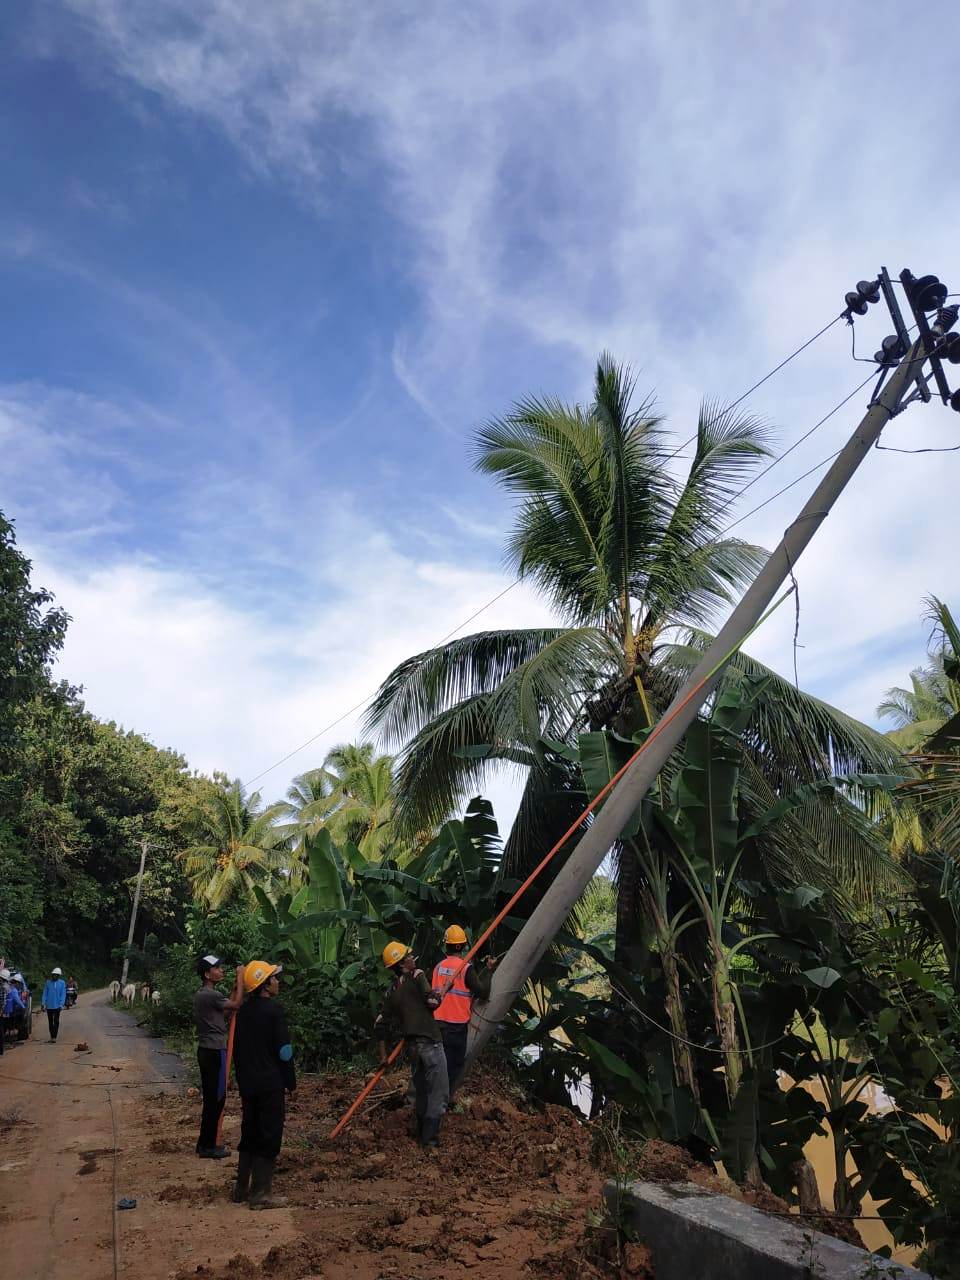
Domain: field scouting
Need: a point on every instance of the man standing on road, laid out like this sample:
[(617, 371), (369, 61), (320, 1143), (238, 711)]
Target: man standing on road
[(263, 1058), (53, 999), (462, 984), (209, 1009), (409, 1005)]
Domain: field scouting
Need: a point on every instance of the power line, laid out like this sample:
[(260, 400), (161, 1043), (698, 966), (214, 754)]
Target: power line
[(366, 698), (499, 596), (806, 436), (726, 507), (766, 377)]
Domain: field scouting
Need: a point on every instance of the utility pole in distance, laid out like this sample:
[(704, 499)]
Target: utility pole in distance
[(133, 914), (558, 901)]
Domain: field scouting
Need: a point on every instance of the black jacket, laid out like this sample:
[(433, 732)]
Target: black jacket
[(262, 1053)]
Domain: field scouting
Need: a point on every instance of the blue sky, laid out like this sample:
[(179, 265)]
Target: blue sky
[(268, 266)]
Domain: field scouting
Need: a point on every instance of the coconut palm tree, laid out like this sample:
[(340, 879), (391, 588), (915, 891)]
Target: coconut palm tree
[(352, 796), (242, 847), (933, 699), (633, 558)]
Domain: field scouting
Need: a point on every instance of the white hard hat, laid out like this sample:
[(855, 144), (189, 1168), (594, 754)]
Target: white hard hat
[(59, 972), (5, 974)]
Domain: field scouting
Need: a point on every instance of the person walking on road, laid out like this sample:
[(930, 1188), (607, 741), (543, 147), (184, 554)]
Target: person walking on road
[(263, 1058), (409, 1006), (462, 984), (53, 999), (210, 1008)]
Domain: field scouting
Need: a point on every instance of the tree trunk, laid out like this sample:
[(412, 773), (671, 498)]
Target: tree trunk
[(683, 1069)]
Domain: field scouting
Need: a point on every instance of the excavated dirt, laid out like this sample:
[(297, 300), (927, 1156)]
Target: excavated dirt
[(512, 1192)]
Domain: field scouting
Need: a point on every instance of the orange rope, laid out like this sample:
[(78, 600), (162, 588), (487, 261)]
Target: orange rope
[(504, 911)]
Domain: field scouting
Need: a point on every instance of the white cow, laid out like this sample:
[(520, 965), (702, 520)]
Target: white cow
[(145, 991), (129, 993), (155, 997), (114, 991)]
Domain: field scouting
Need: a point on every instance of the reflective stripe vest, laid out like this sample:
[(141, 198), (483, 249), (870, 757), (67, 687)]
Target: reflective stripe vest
[(455, 1005)]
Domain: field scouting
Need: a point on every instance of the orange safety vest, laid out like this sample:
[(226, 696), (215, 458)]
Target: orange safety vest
[(455, 1005)]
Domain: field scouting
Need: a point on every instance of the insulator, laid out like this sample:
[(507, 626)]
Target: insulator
[(946, 318), (927, 293), (955, 400), (949, 348), (855, 303), (880, 357), (891, 349), (869, 290)]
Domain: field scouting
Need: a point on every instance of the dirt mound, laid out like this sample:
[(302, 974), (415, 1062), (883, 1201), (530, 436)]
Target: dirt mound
[(511, 1192)]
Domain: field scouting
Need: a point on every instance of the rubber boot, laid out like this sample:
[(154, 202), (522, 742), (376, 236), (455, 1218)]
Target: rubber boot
[(241, 1188), (261, 1197), (430, 1133)]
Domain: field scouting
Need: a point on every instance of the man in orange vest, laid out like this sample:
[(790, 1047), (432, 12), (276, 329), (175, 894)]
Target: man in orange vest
[(453, 1012)]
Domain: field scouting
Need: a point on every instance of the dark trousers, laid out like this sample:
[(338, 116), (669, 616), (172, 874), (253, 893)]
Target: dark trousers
[(261, 1125), (53, 1022), (432, 1089), (455, 1047), (3, 1033), (213, 1089)]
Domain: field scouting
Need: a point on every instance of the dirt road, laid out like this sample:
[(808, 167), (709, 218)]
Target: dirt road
[(60, 1179)]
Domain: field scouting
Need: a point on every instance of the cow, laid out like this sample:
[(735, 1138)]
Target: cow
[(145, 991), (114, 990), (155, 997), (129, 993)]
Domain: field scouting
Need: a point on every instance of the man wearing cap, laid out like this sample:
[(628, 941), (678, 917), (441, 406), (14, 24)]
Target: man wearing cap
[(458, 983), (210, 1008), (53, 999), (409, 1006), (263, 1059)]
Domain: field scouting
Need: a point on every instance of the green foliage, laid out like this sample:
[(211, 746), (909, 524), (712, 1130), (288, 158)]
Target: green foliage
[(240, 848)]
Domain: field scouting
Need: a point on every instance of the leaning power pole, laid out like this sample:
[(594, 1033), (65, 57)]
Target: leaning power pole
[(133, 913), (902, 379)]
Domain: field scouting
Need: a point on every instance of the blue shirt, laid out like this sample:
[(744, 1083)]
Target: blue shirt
[(54, 993), (13, 1004)]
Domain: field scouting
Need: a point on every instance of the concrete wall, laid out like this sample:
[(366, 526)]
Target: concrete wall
[(695, 1234)]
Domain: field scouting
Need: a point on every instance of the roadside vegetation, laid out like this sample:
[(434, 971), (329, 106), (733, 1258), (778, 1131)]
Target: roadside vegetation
[(781, 911)]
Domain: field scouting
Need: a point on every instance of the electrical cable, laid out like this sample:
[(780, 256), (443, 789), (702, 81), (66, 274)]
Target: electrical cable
[(499, 596), (364, 700), (766, 377)]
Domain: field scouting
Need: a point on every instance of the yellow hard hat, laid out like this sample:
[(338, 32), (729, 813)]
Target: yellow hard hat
[(257, 972), (393, 953), (455, 936)]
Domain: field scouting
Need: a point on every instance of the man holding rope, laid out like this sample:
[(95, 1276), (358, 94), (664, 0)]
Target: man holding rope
[(409, 1005), (459, 983)]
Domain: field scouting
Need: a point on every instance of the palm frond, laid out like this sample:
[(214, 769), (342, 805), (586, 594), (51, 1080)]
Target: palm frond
[(436, 680), (801, 738), (546, 694)]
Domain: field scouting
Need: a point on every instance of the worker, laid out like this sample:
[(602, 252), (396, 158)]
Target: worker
[(23, 991), (409, 1006), (263, 1058), (210, 1008), (462, 984), (53, 999)]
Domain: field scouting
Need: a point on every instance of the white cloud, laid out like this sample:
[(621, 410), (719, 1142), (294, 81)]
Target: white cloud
[(159, 652), (693, 187)]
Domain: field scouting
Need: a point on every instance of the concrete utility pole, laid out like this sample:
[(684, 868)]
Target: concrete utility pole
[(557, 903), (133, 914)]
